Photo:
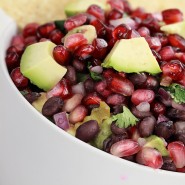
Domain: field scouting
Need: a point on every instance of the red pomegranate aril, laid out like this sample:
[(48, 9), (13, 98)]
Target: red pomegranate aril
[(92, 99), (101, 28), (96, 11), (132, 34), (158, 108), (19, 80), (78, 114), (142, 95), (139, 13), (73, 41), (17, 40), (116, 99), (151, 83), (174, 69), (108, 73), (182, 80), (121, 86), (177, 152), (177, 41), (172, 16), (71, 75), (149, 157), (44, 30), (84, 52), (61, 55), (167, 53), (75, 21), (30, 29), (180, 56), (117, 4), (114, 14), (56, 36), (61, 89), (120, 32), (12, 60), (144, 31), (162, 37), (30, 40), (125, 148), (80, 66), (154, 43), (100, 46)]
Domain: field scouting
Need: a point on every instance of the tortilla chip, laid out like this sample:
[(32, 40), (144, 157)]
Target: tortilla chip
[(40, 11)]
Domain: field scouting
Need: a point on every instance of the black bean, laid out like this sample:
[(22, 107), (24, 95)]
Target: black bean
[(146, 126), (118, 109), (116, 130), (89, 85), (138, 78), (130, 158), (71, 75), (80, 66), (180, 137), (165, 129), (107, 143), (168, 164), (32, 96), (52, 106), (87, 131), (140, 114), (116, 138), (176, 114)]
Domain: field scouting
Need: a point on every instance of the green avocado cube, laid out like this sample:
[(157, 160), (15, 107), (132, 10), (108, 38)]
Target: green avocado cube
[(132, 56)]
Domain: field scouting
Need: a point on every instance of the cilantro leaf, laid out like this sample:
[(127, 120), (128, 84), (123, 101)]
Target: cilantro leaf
[(60, 25), (95, 76), (125, 119), (177, 92)]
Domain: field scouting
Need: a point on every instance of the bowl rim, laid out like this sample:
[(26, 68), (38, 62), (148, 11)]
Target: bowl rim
[(10, 28)]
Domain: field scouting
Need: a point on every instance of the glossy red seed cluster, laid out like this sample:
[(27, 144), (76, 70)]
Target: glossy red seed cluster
[(87, 83)]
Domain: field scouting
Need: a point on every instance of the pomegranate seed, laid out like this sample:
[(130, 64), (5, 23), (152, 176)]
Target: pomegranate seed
[(124, 148), (78, 114), (132, 34), (30, 40), (101, 28), (108, 73), (12, 60), (167, 53), (158, 108), (114, 14), (100, 46), (80, 66), (154, 43), (177, 152), (101, 88), (174, 69), (30, 30), (117, 4), (71, 75), (92, 99), (182, 80), (181, 170), (72, 103), (17, 40), (151, 83), (177, 41), (75, 21), (95, 61), (120, 32), (84, 52), (56, 36), (172, 16), (115, 99), (61, 89), (19, 80), (144, 31), (149, 157), (142, 95), (44, 30), (61, 55), (180, 56), (72, 42), (96, 11), (150, 22), (162, 37), (121, 86)]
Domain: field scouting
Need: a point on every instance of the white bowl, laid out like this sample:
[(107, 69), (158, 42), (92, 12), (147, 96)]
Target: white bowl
[(33, 151)]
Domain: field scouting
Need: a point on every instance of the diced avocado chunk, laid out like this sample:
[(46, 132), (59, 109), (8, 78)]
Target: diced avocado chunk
[(132, 56), (176, 28), (156, 142), (38, 104), (79, 6), (88, 31), (38, 64), (104, 133)]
